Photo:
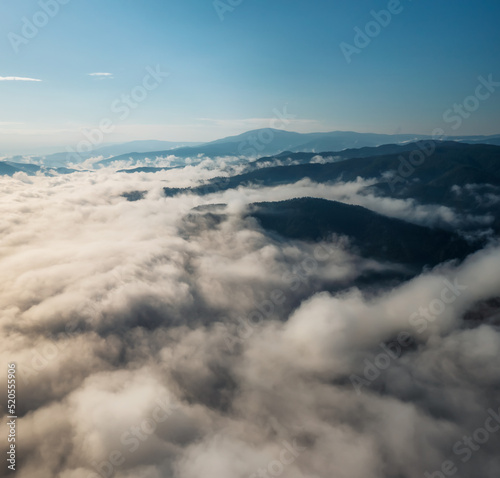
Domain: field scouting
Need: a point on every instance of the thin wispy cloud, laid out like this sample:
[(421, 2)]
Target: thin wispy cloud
[(101, 75), (17, 78)]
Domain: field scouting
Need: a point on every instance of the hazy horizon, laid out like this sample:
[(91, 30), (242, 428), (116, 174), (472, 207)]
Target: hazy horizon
[(204, 63), (23, 151)]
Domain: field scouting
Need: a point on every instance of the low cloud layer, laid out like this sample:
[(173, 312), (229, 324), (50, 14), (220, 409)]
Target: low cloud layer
[(154, 341), (357, 193)]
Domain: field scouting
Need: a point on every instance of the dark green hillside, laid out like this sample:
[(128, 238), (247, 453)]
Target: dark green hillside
[(452, 164), (374, 235)]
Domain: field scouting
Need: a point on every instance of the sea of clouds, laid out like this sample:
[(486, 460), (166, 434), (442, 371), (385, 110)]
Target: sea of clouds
[(153, 340)]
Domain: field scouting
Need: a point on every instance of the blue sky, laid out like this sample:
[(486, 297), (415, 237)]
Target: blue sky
[(230, 75)]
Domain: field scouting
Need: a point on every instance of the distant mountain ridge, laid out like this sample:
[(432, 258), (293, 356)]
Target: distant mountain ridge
[(259, 143), (140, 146), (268, 141)]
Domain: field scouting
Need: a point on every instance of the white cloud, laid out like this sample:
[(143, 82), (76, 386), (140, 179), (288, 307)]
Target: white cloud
[(117, 307), (432, 215), (102, 76), (17, 78)]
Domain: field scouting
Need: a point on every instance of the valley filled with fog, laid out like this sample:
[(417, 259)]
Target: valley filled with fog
[(301, 316)]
